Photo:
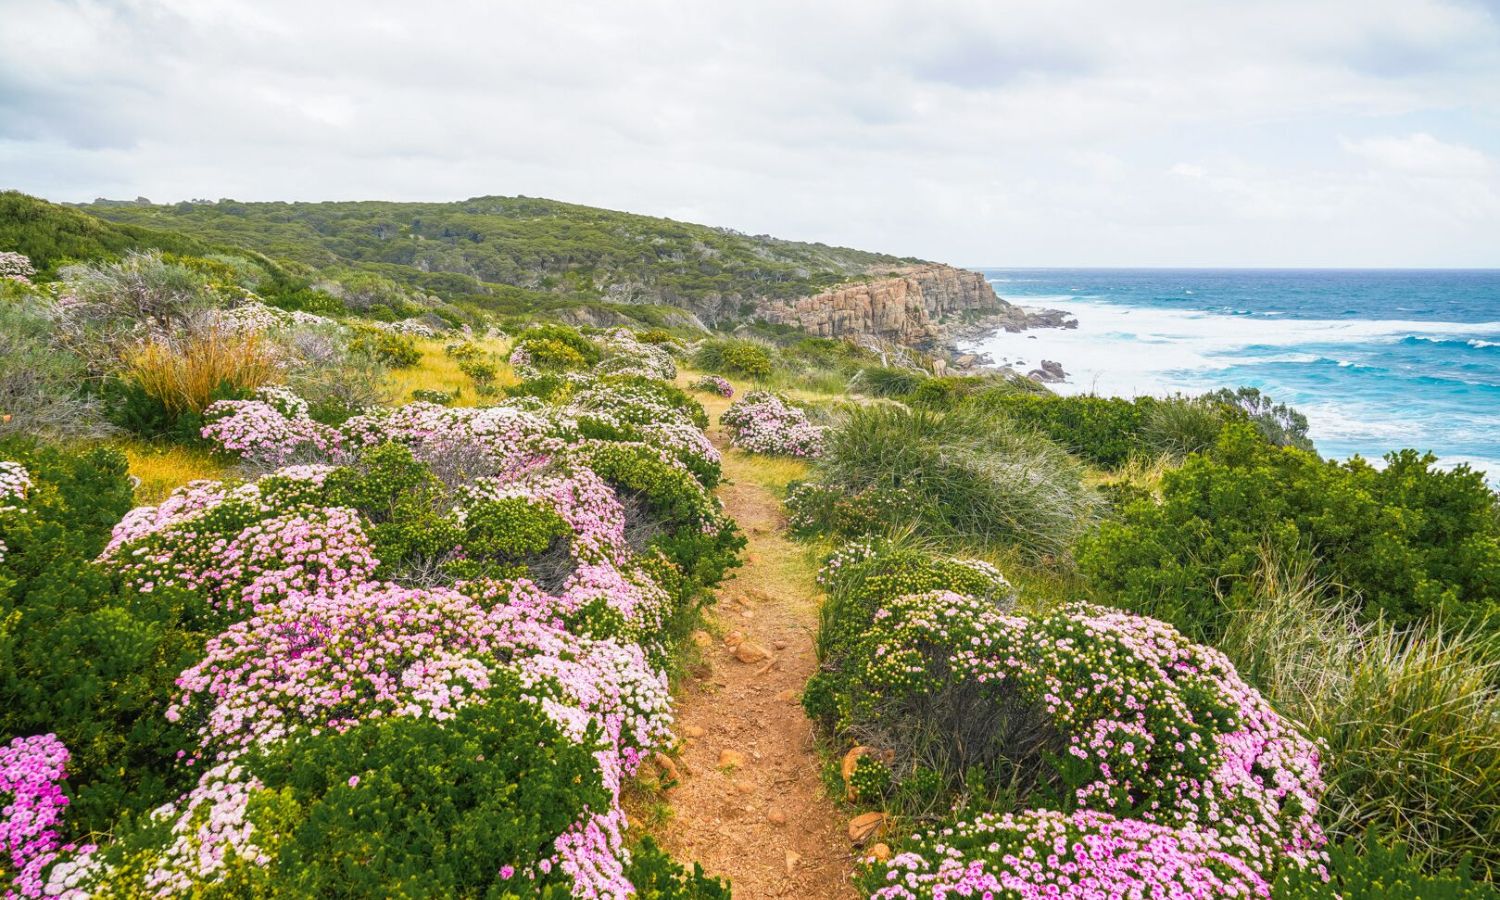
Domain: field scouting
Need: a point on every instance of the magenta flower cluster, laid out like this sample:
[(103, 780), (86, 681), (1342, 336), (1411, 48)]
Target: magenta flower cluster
[(1157, 730), (32, 770), (763, 422)]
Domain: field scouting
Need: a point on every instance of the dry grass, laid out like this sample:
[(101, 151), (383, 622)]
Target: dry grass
[(163, 468), (184, 372), (438, 371)]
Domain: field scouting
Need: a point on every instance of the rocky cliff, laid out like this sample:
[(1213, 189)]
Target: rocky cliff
[(911, 307)]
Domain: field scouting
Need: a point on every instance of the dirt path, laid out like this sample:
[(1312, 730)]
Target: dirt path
[(767, 824)]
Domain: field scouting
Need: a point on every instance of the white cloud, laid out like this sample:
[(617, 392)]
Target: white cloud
[(1041, 132), (1423, 154)]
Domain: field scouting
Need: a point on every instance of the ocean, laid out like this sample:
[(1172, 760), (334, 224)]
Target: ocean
[(1376, 359)]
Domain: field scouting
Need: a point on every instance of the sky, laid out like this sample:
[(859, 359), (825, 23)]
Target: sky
[(1045, 133)]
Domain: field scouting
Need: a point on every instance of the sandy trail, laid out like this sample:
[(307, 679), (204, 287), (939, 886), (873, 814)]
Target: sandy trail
[(768, 825)]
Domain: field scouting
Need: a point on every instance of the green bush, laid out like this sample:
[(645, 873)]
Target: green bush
[(657, 876), (1105, 431), (1278, 423), (428, 395), (399, 351), (551, 388), (1371, 870), (79, 657), (40, 384), (668, 510), (411, 807), (883, 381), (733, 356), (1407, 542), (566, 335), (969, 473), (552, 356)]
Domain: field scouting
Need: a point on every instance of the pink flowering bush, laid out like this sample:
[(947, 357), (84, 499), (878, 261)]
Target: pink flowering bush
[(1044, 853), (444, 628), (714, 384), (271, 430), (16, 267), (763, 422), (1141, 722), (15, 483)]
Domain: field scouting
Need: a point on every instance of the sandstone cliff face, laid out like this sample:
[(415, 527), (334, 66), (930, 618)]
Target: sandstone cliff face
[(908, 308)]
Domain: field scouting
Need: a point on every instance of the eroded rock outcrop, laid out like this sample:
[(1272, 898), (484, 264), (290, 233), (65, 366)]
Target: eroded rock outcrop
[(912, 307)]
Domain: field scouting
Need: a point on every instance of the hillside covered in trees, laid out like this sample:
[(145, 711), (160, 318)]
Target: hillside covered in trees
[(507, 254)]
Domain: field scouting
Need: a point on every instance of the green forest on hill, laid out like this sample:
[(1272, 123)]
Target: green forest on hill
[(503, 253)]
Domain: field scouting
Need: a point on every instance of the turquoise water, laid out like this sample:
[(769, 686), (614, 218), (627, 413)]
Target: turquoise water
[(1377, 359)]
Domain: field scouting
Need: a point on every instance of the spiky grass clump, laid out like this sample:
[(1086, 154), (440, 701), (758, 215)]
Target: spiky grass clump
[(1409, 720), (189, 371), (968, 474)]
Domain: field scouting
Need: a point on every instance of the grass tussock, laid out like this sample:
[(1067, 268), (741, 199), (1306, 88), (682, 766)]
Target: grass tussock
[(1409, 719), (964, 473), (187, 372)]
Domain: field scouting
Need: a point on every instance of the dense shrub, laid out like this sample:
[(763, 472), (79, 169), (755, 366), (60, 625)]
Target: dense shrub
[(657, 876), (763, 422), (41, 385), (966, 474), (1102, 430), (416, 807), (144, 289), (1278, 423), (883, 381), (1108, 731), (1177, 426), (735, 357), (552, 349), (353, 735), (399, 351), (713, 384), (1371, 870), (1406, 542), (80, 657)]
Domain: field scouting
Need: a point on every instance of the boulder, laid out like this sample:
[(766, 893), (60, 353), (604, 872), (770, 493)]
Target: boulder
[(865, 826)]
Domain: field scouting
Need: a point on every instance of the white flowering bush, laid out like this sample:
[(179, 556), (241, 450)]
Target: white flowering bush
[(763, 422), (15, 484), (623, 354), (16, 267), (254, 315)]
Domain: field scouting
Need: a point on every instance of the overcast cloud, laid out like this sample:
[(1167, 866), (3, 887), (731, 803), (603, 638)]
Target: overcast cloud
[(1155, 132)]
